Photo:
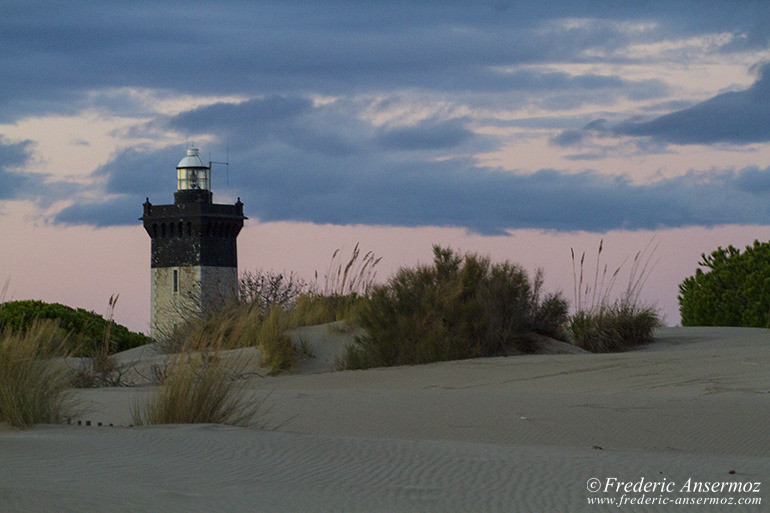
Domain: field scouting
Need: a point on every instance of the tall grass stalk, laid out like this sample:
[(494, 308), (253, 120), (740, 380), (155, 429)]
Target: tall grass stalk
[(102, 368), (603, 324), (103, 360), (33, 385), (356, 276)]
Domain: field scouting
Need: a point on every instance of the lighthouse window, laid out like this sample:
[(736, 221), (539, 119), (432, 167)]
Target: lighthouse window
[(175, 281)]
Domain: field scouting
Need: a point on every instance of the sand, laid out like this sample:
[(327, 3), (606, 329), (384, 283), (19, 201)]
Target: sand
[(516, 433)]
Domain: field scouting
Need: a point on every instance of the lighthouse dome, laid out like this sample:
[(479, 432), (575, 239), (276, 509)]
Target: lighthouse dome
[(192, 159), (191, 173)]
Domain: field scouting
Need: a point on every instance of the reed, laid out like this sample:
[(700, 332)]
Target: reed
[(356, 276), (603, 324)]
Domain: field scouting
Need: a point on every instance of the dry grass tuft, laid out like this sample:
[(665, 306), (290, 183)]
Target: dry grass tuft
[(200, 386), (33, 385), (270, 304), (277, 351), (617, 327)]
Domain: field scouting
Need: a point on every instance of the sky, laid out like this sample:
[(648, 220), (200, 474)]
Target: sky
[(519, 130)]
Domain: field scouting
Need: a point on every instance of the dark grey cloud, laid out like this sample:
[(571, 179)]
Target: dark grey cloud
[(138, 171), (63, 57), (754, 181), (734, 117), (289, 122), (457, 193), (281, 174), (295, 159), (119, 210), (427, 134), (571, 137), (13, 156), (259, 114)]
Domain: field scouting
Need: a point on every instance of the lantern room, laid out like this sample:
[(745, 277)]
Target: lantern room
[(191, 174)]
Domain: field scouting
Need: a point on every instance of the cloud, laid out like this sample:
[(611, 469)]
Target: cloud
[(247, 116), (280, 184), (572, 137), (293, 160), (429, 134), (13, 157), (569, 138), (754, 181), (138, 170), (305, 146), (733, 117), (94, 54), (119, 210)]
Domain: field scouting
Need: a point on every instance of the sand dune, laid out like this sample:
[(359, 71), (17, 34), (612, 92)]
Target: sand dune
[(518, 433)]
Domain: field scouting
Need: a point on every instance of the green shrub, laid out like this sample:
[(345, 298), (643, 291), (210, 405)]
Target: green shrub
[(733, 291), (32, 384), (458, 307), (87, 329)]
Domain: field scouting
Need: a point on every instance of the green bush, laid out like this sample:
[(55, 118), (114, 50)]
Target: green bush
[(733, 291), (458, 307), (86, 329)]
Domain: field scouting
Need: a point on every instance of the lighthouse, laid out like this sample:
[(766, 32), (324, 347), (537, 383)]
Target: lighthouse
[(193, 255)]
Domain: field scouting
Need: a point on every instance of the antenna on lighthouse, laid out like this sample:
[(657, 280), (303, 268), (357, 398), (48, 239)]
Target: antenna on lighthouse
[(226, 163)]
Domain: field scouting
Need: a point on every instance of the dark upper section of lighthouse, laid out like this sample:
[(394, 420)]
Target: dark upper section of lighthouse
[(194, 230)]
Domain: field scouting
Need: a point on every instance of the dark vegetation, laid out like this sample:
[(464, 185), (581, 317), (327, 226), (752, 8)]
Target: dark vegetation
[(457, 307), (731, 288), (85, 329)]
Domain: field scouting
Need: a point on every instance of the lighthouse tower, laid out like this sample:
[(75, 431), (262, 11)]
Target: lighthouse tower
[(193, 256)]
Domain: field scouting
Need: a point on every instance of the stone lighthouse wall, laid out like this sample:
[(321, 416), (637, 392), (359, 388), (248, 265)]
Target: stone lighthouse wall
[(197, 289)]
